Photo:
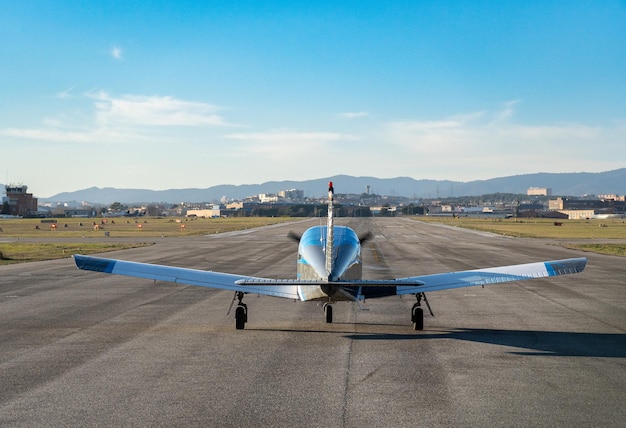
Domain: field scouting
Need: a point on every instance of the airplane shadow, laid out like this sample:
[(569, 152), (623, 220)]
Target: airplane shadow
[(530, 342), (537, 343)]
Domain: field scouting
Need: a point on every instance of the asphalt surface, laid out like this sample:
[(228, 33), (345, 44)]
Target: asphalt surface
[(88, 349)]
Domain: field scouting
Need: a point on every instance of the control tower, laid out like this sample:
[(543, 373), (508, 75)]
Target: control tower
[(21, 203)]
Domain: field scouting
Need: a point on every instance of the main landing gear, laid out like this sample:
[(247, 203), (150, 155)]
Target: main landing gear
[(241, 313), (417, 313)]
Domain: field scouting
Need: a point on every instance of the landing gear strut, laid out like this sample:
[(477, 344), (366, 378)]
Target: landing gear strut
[(328, 312), (417, 313), (241, 313)]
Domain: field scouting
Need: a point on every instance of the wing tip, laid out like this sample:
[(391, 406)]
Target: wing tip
[(567, 266), (93, 263)]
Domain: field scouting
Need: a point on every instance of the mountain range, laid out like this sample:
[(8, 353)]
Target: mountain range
[(563, 184)]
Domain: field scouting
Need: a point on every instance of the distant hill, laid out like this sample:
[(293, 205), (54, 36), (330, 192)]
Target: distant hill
[(565, 184)]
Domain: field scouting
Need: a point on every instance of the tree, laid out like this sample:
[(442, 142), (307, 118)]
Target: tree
[(117, 207), (153, 210)]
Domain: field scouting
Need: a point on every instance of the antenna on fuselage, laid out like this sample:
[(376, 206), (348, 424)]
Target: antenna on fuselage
[(329, 230)]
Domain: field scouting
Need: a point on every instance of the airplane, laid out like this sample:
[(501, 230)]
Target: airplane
[(329, 270)]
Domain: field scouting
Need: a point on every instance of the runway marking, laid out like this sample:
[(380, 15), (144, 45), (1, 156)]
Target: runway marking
[(376, 254)]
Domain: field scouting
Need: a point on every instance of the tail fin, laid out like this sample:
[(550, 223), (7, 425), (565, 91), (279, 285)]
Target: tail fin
[(329, 230)]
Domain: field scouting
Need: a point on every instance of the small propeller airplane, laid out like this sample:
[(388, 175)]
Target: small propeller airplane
[(329, 270)]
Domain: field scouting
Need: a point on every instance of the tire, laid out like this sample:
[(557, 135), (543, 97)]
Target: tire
[(417, 317), (240, 318), (328, 311)]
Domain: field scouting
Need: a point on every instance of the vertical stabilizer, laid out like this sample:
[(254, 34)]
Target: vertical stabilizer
[(329, 230)]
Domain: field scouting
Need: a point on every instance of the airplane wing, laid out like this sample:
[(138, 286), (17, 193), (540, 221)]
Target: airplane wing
[(496, 275), (179, 275), (288, 288)]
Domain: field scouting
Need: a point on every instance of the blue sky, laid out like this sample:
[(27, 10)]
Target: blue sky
[(162, 95)]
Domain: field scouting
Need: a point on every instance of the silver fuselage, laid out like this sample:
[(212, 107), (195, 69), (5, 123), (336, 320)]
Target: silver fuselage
[(345, 261)]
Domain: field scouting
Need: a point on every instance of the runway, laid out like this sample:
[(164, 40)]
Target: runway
[(87, 349)]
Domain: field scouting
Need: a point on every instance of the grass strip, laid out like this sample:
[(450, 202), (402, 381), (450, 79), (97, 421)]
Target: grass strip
[(17, 252), (538, 228), (610, 249)]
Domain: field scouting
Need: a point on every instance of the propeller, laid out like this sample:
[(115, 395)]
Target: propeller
[(365, 237), (362, 239), (295, 236)]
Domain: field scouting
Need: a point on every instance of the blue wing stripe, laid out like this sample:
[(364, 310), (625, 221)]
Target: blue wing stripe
[(94, 264)]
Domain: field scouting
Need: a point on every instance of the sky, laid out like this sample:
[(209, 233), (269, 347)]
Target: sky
[(178, 94)]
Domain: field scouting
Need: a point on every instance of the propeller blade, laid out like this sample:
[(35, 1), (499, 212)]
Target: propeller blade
[(293, 235), (365, 237)]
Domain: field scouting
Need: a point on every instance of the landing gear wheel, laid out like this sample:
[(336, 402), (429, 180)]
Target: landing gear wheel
[(417, 317), (241, 313), (241, 316), (328, 311)]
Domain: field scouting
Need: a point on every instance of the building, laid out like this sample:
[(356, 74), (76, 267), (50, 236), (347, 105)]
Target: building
[(80, 212), (19, 201), (578, 214), (587, 208), (555, 204), (560, 204), (213, 212), (620, 198), (266, 198), (539, 191), (292, 194), (234, 205)]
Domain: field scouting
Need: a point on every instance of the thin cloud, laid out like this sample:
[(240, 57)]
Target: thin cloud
[(506, 113), (58, 135), (291, 136), (125, 118), (116, 52), (353, 115), (492, 144), (143, 110), (65, 94), (283, 146)]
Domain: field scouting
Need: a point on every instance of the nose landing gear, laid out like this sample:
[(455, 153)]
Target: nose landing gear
[(328, 312)]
